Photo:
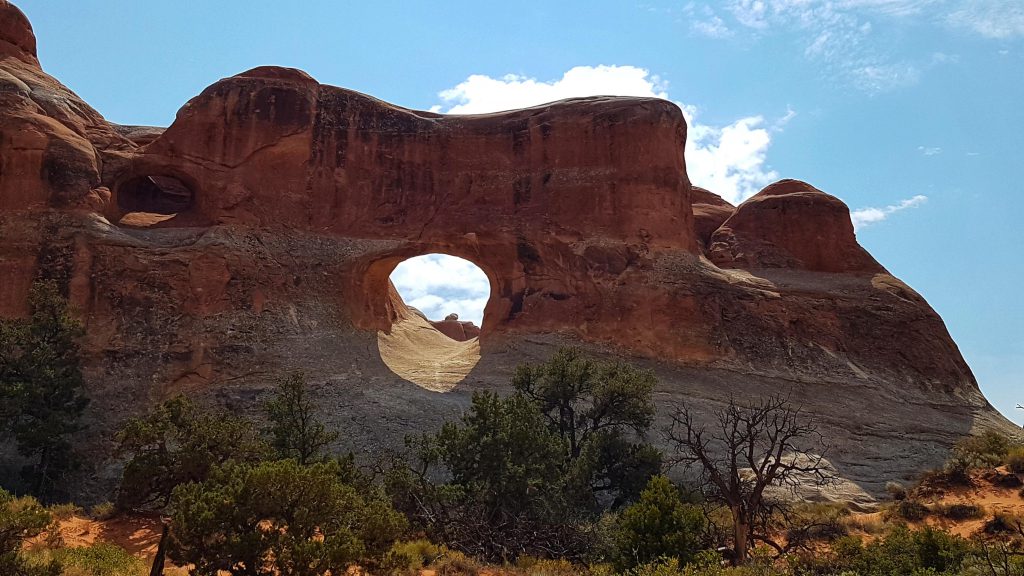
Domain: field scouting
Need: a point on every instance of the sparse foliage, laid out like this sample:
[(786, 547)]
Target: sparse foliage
[(179, 442), (746, 450), (295, 430), (41, 400)]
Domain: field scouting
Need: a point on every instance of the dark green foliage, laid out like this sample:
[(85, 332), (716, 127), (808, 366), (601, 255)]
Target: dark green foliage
[(912, 510), (41, 398), (278, 518), (178, 442), (598, 409), (20, 519), (295, 430), (506, 493), (502, 449), (659, 525)]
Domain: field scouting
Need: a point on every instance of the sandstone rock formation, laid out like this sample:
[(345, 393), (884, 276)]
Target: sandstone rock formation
[(457, 330), (263, 224)]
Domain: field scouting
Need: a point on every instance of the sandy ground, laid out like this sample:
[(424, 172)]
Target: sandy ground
[(421, 354)]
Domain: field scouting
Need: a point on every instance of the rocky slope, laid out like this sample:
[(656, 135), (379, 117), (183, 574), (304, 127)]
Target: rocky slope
[(256, 235)]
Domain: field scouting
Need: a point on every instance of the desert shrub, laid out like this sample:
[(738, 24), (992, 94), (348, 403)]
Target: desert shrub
[(102, 511), (1003, 523), (658, 567), (530, 566), (659, 525), (20, 519), (896, 490), (1021, 493), (814, 522), (455, 563), (912, 510), (408, 558), (959, 511), (985, 450), (1015, 460), (901, 552), (65, 511), (179, 442), (279, 516), (869, 524), (100, 559)]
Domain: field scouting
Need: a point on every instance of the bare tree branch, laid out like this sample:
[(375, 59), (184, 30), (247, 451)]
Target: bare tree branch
[(749, 449)]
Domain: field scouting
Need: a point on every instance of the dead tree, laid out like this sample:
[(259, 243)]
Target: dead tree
[(746, 450)]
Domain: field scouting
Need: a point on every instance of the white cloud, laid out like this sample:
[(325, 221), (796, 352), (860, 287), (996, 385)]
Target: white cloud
[(729, 160), (479, 93), (929, 150), (998, 19), (841, 37), (867, 216), (713, 27), (438, 285)]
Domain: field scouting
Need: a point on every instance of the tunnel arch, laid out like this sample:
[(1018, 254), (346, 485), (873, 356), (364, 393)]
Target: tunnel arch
[(367, 290), (415, 346)]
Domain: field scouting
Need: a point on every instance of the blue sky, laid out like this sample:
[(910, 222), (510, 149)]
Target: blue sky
[(909, 110)]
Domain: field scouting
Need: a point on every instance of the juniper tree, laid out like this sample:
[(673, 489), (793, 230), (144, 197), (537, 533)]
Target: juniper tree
[(295, 430), (41, 400)]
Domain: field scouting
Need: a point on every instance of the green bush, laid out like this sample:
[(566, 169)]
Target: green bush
[(286, 518), (65, 511), (100, 559), (912, 510), (901, 552), (658, 526), (1015, 460), (179, 442), (455, 563), (408, 558), (20, 519)]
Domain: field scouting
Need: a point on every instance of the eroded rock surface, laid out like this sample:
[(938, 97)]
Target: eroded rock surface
[(257, 234)]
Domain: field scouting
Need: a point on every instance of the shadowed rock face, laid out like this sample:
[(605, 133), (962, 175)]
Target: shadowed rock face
[(285, 205)]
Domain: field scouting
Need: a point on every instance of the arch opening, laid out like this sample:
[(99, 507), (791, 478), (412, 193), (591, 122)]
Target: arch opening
[(149, 200), (437, 304)]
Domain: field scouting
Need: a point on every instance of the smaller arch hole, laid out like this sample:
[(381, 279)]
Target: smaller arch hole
[(147, 200)]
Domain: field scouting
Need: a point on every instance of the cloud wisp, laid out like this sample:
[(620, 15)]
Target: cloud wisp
[(439, 285), (729, 160), (867, 216), (845, 38)]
